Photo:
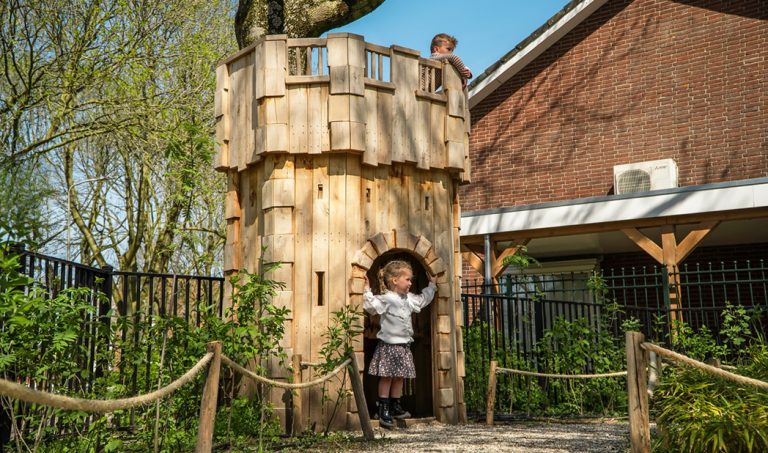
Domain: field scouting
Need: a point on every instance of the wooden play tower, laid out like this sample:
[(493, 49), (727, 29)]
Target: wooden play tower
[(339, 156)]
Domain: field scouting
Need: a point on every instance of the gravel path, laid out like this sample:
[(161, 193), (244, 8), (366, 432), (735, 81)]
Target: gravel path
[(528, 437)]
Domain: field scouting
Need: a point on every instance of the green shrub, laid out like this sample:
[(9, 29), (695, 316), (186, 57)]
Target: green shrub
[(42, 342), (698, 412)]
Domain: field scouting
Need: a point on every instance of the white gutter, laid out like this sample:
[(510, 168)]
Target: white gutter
[(745, 194), (533, 50)]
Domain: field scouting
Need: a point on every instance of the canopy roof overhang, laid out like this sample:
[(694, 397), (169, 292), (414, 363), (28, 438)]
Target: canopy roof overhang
[(734, 212)]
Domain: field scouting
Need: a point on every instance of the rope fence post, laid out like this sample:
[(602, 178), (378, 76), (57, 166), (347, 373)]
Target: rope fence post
[(491, 397), (298, 421), (362, 406), (209, 400), (637, 391)]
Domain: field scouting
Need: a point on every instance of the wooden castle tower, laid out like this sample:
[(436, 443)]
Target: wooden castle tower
[(339, 156)]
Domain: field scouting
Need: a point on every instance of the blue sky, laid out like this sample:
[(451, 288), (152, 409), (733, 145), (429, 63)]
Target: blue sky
[(486, 29)]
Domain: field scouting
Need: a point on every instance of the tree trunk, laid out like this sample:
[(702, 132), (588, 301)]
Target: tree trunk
[(297, 18)]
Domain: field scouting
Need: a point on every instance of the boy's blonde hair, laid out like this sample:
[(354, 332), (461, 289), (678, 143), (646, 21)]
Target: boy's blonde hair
[(443, 37), (391, 270)]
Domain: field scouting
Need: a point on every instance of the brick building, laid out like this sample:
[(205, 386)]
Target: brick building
[(677, 88)]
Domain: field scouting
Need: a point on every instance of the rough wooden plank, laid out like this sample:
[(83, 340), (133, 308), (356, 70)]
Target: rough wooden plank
[(278, 193), (369, 202), (317, 119), (274, 68), (371, 128), (339, 255), (276, 138), (339, 107), (454, 129), (305, 42), (259, 90), (320, 269), (455, 155), (253, 217), (303, 267), (241, 113), (381, 199), (339, 79), (385, 113), (341, 136), (356, 52), (405, 76), (416, 193), (298, 125), (337, 50), (421, 131), (222, 115), (437, 153), (456, 103), (357, 109), (397, 203)]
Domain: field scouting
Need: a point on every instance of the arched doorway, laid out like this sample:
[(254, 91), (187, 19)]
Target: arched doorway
[(417, 393)]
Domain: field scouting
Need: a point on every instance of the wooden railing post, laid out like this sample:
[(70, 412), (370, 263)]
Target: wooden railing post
[(637, 391), (298, 421), (491, 400), (208, 401), (362, 406)]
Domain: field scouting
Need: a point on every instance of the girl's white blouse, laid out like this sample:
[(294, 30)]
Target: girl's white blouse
[(395, 311)]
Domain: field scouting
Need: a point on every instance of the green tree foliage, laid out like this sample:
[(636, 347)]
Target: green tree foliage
[(119, 93), (47, 337)]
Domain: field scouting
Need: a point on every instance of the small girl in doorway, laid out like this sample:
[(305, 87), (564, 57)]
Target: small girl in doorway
[(393, 361)]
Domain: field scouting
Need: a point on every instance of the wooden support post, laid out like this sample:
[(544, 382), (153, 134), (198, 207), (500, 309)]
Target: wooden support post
[(362, 406), (637, 391), (298, 419), (491, 399), (209, 400)]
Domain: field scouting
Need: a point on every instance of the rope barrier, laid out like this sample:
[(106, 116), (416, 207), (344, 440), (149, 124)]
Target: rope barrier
[(227, 361), (563, 376), (704, 367), (21, 392)]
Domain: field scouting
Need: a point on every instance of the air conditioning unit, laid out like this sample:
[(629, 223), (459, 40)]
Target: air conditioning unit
[(645, 176)]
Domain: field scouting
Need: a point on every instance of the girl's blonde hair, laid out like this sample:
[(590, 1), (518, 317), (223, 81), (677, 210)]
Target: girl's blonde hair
[(391, 270)]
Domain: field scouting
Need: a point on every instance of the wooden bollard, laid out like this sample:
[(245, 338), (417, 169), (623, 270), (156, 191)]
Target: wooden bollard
[(491, 399), (362, 406), (298, 421), (209, 400), (637, 392)]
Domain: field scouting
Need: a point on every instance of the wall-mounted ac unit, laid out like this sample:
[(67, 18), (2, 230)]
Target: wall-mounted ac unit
[(645, 176)]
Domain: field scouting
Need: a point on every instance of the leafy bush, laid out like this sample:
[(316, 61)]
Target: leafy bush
[(696, 411), (43, 344)]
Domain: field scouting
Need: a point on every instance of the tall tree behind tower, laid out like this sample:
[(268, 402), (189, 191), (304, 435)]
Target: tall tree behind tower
[(296, 18)]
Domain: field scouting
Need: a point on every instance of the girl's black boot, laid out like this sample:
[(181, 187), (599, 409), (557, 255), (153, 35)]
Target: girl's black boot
[(397, 411), (385, 414)]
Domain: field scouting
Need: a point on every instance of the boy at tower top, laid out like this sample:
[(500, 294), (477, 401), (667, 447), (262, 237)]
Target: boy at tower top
[(442, 49)]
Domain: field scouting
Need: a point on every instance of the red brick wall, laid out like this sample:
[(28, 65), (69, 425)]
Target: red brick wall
[(638, 80)]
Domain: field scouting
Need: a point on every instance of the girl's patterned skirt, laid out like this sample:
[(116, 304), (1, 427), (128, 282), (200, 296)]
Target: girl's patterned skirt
[(392, 360)]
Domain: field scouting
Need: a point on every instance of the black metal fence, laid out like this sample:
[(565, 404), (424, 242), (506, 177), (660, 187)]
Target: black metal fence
[(132, 300), (506, 320)]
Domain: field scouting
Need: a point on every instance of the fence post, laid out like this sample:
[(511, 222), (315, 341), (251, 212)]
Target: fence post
[(298, 421), (637, 391), (362, 406), (209, 400), (491, 399), (104, 306)]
